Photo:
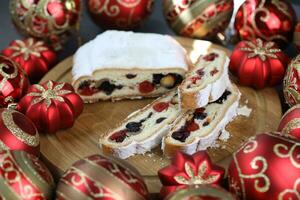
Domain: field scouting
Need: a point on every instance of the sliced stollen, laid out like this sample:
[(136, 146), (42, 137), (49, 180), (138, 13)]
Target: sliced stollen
[(142, 130), (198, 129), (118, 64), (206, 82)]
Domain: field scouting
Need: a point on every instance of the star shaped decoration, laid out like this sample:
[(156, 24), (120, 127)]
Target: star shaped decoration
[(260, 49), (188, 170), (27, 48), (49, 93)]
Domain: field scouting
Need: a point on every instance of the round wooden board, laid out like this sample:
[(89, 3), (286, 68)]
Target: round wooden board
[(65, 147)]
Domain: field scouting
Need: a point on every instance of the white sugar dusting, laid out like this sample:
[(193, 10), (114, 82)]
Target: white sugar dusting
[(244, 111), (225, 135)]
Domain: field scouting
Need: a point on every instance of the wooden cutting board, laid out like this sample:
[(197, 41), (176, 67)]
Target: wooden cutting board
[(65, 147)]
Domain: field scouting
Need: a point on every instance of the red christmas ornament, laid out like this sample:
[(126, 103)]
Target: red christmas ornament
[(36, 57), (290, 122), (267, 166), (268, 20), (200, 19), (51, 106), (51, 20), (258, 64), (98, 177), (291, 83), (188, 170), (18, 132), (13, 81), (24, 176), (296, 39), (120, 14), (201, 192)]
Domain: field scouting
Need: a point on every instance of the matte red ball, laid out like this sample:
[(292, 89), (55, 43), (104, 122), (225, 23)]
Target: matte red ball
[(24, 177), (290, 122), (34, 56), (258, 64), (120, 14), (268, 20), (51, 106), (13, 81), (266, 167), (100, 177), (18, 132)]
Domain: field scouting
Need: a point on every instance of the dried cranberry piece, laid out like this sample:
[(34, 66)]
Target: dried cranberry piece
[(146, 87), (200, 72), (191, 126), (194, 79), (118, 136), (161, 106), (210, 57), (214, 71)]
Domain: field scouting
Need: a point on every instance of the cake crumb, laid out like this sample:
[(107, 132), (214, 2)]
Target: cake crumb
[(244, 111), (225, 135)]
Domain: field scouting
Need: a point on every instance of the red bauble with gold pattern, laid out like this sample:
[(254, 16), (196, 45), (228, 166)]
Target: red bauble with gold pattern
[(99, 177), (269, 20), (201, 192), (296, 39), (51, 20), (258, 64), (266, 167), (34, 56), (18, 132), (120, 14), (24, 176), (290, 122), (13, 81), (188, 170), (198, 18), (291, 83), (51, 106)]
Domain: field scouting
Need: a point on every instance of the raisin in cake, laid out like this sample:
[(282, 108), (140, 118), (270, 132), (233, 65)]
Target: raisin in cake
[(119, 64), (143, 129), (198, 129), (207, 82)]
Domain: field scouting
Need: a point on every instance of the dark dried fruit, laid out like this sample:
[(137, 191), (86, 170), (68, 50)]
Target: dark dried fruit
[(118, 136), (214, 71), (161, 106), (156, 78), (223, 97), (159, 120), (178, 78), (108, 87), (134, 127), (206, 123), (210, 57), (200, 114), (200, 72), (146, 87), (180, 135), (130, 76)]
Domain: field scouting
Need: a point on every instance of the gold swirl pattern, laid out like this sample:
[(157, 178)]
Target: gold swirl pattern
[(259, 175), (250, 146), (31, 140), (291, 125), (293, 191), (6, 76), (264, 15), (9, 167), (283, 151), (78, 178)]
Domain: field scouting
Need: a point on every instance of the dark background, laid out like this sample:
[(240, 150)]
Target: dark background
[(88, 30)]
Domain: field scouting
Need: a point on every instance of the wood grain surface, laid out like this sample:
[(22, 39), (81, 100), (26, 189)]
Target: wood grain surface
[(62, 149)]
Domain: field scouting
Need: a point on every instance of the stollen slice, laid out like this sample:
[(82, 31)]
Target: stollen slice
[(142, 130), (118, 65), (198, 129), (206, 82)]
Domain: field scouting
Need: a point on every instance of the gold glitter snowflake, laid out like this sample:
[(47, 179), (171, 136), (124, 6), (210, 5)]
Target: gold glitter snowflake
[(196, 177), (49, 94), (27, 48), (261, 50)]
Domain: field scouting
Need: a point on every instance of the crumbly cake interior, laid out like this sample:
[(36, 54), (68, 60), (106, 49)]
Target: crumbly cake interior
[(200, 122), (130, 83), (146, 122), (207, 70)]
